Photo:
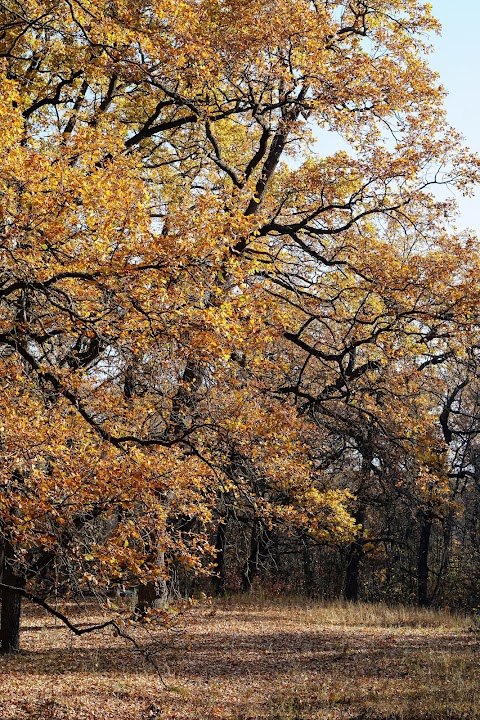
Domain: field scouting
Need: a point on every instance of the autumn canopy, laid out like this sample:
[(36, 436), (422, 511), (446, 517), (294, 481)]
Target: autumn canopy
[(204, 310)]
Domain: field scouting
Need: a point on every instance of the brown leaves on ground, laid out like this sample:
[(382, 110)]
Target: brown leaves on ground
[(245, 660)]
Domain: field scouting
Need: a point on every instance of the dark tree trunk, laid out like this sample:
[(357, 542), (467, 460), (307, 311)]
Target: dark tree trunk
[(11, 603), (447, 526), (146, 597), (426, 522), (153, 594), (308, 567), (354, 559), (276, 555), (258, 545), (352, 573)]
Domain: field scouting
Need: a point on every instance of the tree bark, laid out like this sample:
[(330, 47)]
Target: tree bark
[(308, 567), (426, 522), (152, 594), (258, 543), (11, 602), (354, 559)]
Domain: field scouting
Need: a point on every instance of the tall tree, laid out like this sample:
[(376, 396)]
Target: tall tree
[(172, 287)]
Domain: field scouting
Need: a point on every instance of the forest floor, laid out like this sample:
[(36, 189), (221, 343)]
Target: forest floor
[(246, 659)]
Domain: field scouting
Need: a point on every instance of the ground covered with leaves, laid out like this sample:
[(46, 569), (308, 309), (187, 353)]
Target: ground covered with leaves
[(250, 659)]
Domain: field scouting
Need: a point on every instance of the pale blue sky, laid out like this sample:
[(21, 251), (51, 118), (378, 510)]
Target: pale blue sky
[(457, 59)]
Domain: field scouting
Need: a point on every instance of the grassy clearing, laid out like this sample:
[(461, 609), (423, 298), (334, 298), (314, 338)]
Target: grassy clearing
[(339, 613), (253, 659)]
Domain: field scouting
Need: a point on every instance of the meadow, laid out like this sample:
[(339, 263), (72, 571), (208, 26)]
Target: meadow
[(250, 658)]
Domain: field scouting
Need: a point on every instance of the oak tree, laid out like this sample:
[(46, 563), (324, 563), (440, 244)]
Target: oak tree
[(183, 277)]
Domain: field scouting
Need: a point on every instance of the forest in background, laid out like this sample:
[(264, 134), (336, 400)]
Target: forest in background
[(230, 361)]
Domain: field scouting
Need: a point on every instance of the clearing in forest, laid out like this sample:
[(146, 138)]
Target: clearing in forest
[(251, 659)]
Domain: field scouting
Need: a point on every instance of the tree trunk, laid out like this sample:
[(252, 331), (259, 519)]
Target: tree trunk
[(426, 521), (152, 594), (11, 603), (220, 575), (447, 526), (354, 559), (258, 543), (308, 567)]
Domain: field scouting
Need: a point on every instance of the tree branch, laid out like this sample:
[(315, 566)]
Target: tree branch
[(56, 613)]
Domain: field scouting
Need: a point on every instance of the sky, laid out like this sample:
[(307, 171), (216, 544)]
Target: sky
[(457, 59)]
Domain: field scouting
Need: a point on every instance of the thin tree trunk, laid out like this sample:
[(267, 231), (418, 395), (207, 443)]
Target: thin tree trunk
[(220, 575), (308, 567), (258, 543), (426, 520), (447, 524), (354, 559)]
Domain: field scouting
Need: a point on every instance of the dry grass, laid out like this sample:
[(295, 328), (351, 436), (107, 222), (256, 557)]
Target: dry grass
[(253, 658)]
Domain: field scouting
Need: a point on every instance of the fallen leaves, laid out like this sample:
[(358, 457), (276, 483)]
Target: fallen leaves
[(284, 661)]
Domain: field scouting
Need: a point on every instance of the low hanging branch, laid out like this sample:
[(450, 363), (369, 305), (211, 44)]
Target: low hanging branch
[(91, 628), (56, 613)]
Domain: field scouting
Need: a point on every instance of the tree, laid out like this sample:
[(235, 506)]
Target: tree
[(172, 287)]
